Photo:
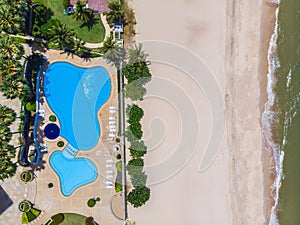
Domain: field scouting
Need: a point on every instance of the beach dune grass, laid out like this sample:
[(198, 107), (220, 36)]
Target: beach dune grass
[(94, 35)]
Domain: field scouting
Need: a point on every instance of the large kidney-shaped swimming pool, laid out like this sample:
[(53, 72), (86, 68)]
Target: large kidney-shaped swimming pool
[(75, 95)]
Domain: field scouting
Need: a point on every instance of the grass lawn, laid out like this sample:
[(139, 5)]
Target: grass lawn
[(95, 35), (73, 219)]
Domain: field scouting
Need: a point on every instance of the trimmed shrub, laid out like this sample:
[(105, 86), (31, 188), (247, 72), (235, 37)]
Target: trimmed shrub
[(135, 166), (35, 212), (30, 106), (119, 156), (30, 216), (119, 166), (134, 92), (134, 113), (52, 118), (137, 149), (118, 140), (24, 218), (24, 206), (50, 185), (60, 144), (91, 202), (26, 176), (139, 179), (139, 196), (118, 187), (98, 199), (136, 129)]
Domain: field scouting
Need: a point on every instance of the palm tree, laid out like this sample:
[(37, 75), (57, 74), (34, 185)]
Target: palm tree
[(62, 35), (79, 46), (7, 169), (115, 13), (136, 54), (10, 49), (111, 50), (5, 134), (81, 12), (15, 88), (9, 19), (10, 68), (7, 115), (7, 151)]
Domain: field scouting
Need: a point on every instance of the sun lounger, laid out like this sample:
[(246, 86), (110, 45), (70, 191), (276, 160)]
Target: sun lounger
[(108, 165), (112, 118), (112, 126), (109, 171), (112, 111), (112, 135), (112, 130), (112, 107), (109, 160), (109, 186), (112, 122), (109, 177)]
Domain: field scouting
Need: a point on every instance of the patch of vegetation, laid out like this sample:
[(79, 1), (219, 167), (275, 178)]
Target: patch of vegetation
[(52, 118), (119, 156), (91, 202), (26, 176), (60, 144), (24, 206), (30, 106), (91, 31), (118, 183), (57, 219), (119, 166), (139, 196)]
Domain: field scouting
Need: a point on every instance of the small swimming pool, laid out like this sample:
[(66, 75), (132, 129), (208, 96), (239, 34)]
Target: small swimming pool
[(73, 173), (75, 95)]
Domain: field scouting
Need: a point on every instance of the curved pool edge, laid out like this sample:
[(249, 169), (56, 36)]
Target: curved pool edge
[(78, 186), (107, 85)]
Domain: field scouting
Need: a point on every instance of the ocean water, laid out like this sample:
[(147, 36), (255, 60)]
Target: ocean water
[(281, 118)]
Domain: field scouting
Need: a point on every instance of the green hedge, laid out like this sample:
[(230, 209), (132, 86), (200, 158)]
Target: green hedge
[(139, 196)]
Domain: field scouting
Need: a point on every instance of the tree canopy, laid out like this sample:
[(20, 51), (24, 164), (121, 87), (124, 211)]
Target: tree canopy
[(139, 196)]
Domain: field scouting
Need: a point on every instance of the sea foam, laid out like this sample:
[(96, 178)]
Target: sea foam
[(269, 120)]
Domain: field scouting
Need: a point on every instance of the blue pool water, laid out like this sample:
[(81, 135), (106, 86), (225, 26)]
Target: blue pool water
[(73, 173), (75, 95)]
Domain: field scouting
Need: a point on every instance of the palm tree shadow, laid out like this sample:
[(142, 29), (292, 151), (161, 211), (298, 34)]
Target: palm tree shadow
[(39, 167), (93, 20)]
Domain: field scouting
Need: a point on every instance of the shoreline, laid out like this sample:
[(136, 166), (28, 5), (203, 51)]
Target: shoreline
[(268, 23)]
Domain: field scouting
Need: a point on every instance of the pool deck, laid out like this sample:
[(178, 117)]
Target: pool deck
[(51, 200)]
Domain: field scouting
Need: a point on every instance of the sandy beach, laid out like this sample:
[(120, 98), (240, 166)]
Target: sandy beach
[(231, 38)]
